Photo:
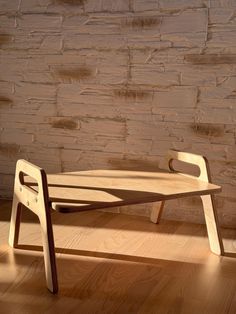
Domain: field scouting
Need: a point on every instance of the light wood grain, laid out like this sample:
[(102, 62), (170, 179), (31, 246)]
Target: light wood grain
[(209, 207), (212, 223), (156, 212), (111, 263), (106, 188), (38, 203), (194, 159), (86, 190)]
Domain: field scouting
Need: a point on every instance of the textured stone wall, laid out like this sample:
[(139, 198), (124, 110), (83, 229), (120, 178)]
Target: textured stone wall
[(90, 84)]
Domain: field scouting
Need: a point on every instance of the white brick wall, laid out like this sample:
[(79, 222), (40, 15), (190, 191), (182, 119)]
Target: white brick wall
[(88, 84)]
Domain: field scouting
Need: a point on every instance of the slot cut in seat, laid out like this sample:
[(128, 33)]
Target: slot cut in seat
[(96, 189)]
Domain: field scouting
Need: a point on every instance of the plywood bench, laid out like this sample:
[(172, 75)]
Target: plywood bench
[(87, 190)]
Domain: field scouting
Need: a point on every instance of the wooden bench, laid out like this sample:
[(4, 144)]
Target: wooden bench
[(87, 190)]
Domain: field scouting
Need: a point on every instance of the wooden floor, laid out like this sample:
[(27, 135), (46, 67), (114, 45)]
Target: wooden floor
[(114, 263)]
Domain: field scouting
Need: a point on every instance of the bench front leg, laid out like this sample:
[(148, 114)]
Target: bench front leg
[(36, 200), (49, 251)]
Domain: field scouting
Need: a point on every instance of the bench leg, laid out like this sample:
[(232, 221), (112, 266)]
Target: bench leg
[(49, 251), (15, 222), (38, 202), (212, 224), (156, 212)]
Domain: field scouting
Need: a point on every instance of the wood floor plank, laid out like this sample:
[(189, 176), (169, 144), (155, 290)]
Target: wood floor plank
[(114, 263)]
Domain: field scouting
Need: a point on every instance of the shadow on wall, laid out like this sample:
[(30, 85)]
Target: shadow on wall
[(9, 149), (70, 2), (5, 101), (207, 129), (75, 74), (5, 39), (67, 124), (142, 22), (131, 94)]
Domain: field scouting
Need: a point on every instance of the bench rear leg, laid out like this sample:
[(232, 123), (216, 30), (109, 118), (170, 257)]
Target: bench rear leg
[(208, 201), (15, 222), (212, 224), (156, 212)]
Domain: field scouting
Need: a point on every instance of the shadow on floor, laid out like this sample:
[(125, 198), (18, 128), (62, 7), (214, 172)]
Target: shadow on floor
[(102, 220)]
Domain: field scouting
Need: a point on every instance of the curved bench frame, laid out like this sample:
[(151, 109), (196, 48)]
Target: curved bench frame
[(39, 203), (208, 201)]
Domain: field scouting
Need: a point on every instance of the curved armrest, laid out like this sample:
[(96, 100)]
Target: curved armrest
[(200, 161), (26, 195)]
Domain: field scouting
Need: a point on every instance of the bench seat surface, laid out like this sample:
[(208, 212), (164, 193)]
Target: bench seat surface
[(95, 189)]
